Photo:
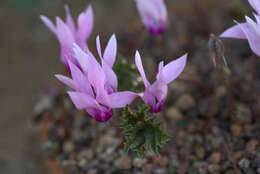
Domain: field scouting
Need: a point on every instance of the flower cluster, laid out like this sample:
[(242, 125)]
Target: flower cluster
[(249, 30), (95, 84), (67, 33)]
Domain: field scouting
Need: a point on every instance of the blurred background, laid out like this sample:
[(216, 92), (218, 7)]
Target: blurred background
[(30, 57)]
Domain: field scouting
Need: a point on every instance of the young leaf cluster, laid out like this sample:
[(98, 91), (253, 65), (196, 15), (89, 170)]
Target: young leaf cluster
[(125, 69), (142, 132)]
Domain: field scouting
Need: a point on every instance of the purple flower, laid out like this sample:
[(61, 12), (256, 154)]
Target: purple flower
[(153, 14), (155, 94), (95, 85), (67, 33), (249, 30)]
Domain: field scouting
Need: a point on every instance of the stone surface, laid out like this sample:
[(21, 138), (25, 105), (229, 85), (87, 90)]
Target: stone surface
[(124, 162), (185, 102), (174, 114)]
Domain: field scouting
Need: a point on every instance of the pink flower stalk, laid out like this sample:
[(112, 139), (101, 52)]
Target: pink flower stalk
[(249, 30), (67, 33), (155, 94), (153, 14), (95, 85)]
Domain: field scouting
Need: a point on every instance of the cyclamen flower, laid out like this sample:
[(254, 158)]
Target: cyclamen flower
[(249, 30), (155, 94), (153, 14), (67, 33), (95, 86)]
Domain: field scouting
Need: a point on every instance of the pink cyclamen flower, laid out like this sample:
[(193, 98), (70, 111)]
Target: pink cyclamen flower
[(249, 30), (155, 94), (95, 85), (153, 14), (67, 33)]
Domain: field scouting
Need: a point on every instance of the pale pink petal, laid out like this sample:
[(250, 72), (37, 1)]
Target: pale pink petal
[(162, 9), (99, 47), (96, 77), (140, 68), (253, 25), (257, 19), (111, 77), (85, 24), (160, 71), (81, 57), (173, 69), (69, 20), (234, 32), (67, 81), (159, 90), (48, 23), (255, 4), (96, 74), (64, 33), (80, 80), (253, 38), (110, 51), (66, 40), (83, 101), (153, 14), (121, 99)]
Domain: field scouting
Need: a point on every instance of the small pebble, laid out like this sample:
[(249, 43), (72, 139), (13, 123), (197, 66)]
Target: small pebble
[(92, 171), (68, 146), (185, 102), (236, 130), (124, 162), (139, 162), (215, 158), (213, 168), (174, 114), (244, 163), (160, 171)]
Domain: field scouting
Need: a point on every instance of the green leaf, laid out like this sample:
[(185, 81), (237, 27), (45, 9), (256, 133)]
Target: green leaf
[(142, 132)]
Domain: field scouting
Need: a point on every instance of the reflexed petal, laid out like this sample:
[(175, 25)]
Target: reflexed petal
[(153, 14), (257, 17), (69, 20), (96, 74), (140, 68), (83, 101), (148, 9), (48, 23), (159, 90), (234, 32), (99, 47), (85, 24), (121, 99), (111, 77), (173, 69), (100, 115), (160, 71), (67, 81), (253, 38), (255, 4), (253, 25), (64, 33), (162, 9), (66, 40), (96, 77), (80, 80), (110, 51), (148, 97), (81, 57)]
